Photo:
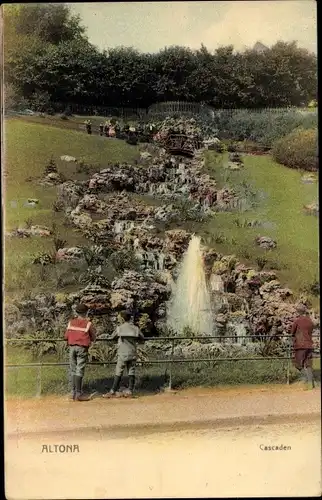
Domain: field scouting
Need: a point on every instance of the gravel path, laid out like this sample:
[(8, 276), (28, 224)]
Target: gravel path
[(197, 407)]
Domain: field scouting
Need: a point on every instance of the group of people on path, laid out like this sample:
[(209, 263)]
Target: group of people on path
[(110, 129), (80, 333)]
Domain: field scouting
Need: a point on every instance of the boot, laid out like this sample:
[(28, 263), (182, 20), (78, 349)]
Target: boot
[(301, 378), (309, 378), (115, 387), (73, 383), (79, 396), (131, 383), (129, 391)]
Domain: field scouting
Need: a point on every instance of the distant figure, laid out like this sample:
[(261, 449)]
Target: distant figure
[(301, 331), (128, 337), (111, 132), (79, 335), (106, 128), (117, 130), (101, 129), (88, 126)]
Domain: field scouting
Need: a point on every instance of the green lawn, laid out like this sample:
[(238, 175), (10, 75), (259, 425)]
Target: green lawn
[(281, 206), (28, 148)]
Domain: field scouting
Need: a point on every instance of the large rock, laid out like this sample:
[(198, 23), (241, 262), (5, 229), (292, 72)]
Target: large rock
[(42, 231), (69, 193), (91, 203), (138, 291), (97, 298), (312, 208), (68, 158), (71, 254), (177, 240), (265, 242), (81, 220)]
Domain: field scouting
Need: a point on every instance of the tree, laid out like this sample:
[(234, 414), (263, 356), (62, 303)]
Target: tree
[(173, 66), (51, 23)]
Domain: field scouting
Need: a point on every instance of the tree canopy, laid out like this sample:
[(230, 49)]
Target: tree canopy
[(47, 54)]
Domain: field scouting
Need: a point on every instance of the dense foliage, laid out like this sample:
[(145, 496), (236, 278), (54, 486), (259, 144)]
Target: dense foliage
[(48, 58), (265, 127), (298, 150)]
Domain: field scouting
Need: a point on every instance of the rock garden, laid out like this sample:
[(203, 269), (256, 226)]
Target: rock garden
[(134, 250)]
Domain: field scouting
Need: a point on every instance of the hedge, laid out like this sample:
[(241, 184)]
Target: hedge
[(265, 127), (299, 149)]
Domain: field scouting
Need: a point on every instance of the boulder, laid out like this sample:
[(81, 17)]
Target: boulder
[(91, 203), (265, 242), (71, 254), (220, 268), (69, 193), (40, 231), (312, 208), (81, 220), (68, 158), (97, 298)]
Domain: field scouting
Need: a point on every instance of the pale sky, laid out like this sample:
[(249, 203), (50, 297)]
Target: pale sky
[(150, 26)]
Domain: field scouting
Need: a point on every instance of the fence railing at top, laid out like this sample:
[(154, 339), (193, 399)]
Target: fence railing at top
[(172, 358), (164, 109)]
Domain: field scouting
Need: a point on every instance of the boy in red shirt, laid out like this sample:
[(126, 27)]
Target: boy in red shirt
[(79, 335)]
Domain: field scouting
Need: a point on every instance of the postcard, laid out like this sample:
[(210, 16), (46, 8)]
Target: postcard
[(161, 264)]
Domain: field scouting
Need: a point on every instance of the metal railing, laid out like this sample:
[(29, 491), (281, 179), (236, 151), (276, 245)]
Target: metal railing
[(172, 359), (168, 108)]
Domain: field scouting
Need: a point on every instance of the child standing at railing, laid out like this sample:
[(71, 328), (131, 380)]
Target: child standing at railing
[(128, 336), (80, 334)]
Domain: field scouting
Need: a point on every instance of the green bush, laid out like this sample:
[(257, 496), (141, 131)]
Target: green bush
[(298, 150), (266, 127)]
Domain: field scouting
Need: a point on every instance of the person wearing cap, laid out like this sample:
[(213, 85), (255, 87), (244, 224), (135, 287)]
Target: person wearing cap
[(80, 334), (301, 332), (128, 336)]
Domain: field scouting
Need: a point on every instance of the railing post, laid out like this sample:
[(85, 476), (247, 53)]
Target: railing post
[(39, 381), (171, 362)]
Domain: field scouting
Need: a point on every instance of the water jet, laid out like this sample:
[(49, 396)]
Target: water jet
[(189, 306)]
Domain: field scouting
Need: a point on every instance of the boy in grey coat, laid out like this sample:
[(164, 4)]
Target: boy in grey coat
[(128, 336)]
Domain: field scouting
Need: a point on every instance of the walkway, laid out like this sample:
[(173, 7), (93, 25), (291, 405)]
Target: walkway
[(203, 408)]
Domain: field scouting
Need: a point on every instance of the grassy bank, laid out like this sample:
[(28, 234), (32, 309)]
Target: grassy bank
[(28, 148), (30, 145), (280, 198), (150, 378)]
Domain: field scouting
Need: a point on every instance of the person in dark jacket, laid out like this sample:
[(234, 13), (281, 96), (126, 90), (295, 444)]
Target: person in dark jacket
[(128, 336), (88, 126), (301, 331), (80, 334)]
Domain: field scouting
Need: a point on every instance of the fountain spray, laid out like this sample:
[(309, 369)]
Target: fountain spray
[(190, 304)]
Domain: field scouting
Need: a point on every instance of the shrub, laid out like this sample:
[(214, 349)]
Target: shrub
[(83, 168), (266, 127), (298, 150), (132, 140), (124, 259), (261, 263), (28, 223), (59, 243)]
